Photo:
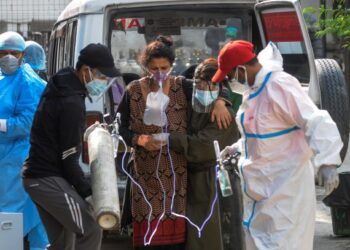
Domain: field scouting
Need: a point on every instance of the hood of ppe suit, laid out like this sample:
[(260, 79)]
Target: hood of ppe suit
[(12, 41), (64, 83), (270, 57), (259, 79), (34, 55), (20, 94)]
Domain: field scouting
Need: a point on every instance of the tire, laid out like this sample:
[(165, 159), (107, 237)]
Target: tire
[(334, 97)]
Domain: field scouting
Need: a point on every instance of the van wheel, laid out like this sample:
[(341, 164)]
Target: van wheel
[(334, 96)]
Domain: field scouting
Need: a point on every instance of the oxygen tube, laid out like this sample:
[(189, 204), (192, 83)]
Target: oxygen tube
[(199, 228), (160, 79), (117, 137)]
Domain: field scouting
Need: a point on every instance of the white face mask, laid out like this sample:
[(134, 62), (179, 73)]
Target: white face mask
[(9, 64)]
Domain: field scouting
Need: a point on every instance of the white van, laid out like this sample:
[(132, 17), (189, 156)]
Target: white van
[(199, 28)]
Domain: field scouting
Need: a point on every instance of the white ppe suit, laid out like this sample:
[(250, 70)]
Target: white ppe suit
[(282, 133)]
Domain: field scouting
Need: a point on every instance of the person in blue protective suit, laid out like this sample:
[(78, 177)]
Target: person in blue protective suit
[(20, 91), (286, 141), (34, 55)]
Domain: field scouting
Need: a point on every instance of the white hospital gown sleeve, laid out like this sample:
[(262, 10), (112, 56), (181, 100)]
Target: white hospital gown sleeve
[(291, 103)]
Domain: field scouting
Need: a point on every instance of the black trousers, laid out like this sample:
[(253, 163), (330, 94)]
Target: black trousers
[(67, 217)]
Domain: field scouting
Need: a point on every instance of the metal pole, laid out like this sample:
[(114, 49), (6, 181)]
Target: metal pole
[(347, 58), (324, 38)]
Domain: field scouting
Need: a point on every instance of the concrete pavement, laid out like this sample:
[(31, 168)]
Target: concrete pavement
[(324, 237)]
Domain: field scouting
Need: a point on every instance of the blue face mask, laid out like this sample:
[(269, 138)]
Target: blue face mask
[(231, 31), (206, 97), (8, 64), (96, 86)]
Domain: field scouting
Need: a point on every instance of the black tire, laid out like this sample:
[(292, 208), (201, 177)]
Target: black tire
[(334, 96)]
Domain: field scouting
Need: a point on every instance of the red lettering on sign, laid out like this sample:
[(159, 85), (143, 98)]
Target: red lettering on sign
[(126, 23), (134, 23), (282, 27), (119, 23)]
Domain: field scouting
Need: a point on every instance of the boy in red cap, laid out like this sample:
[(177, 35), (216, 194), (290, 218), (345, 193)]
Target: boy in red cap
[(282, 130)]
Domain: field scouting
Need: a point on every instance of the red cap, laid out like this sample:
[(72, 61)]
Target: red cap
[(234, 53)]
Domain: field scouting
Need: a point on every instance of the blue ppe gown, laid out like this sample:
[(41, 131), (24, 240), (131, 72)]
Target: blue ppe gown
[(19, 96)]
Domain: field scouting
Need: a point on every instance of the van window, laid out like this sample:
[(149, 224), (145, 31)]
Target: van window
[(196, 34), (50, 60), (281, 26), (62, 46)]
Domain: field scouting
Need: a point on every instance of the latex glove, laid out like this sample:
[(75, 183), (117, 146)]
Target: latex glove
[(221, 114), (328, 178), (229, 150)]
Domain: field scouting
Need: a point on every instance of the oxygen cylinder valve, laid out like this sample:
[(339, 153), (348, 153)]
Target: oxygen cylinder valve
[(222, 175), (115, 134)]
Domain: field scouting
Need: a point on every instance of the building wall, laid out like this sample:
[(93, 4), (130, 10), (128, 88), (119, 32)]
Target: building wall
[(33, 19), (28, 16)]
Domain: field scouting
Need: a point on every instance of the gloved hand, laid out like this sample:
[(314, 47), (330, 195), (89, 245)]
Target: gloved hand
[(229, 150), (328, 178)]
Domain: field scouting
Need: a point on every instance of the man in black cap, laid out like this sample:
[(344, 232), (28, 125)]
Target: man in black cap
[(51, 174)]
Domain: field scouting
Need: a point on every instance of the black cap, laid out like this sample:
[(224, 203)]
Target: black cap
[(98, 56)]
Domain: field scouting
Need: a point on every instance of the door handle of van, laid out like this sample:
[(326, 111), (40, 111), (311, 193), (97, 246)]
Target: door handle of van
[(6, 225)]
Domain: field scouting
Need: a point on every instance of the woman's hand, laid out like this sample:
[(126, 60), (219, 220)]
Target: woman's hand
[(221, 114), (149, 143)]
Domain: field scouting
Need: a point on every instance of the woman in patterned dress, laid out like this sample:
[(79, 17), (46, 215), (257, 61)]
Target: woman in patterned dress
[(170, 233), (152, 164)]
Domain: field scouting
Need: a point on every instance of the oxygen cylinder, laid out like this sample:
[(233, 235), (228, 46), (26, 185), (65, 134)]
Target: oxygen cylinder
[(103, 178)]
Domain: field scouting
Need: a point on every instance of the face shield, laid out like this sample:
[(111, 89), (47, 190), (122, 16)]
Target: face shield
[(204, 94), (98, 85), (237, 86)]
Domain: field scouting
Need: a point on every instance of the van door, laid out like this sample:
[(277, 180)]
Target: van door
[(282, 22)]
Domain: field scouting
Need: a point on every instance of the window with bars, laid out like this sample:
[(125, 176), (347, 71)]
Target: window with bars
[(19, 15)]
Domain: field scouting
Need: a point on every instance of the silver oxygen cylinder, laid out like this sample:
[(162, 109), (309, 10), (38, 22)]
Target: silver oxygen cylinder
[(103, 178)]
